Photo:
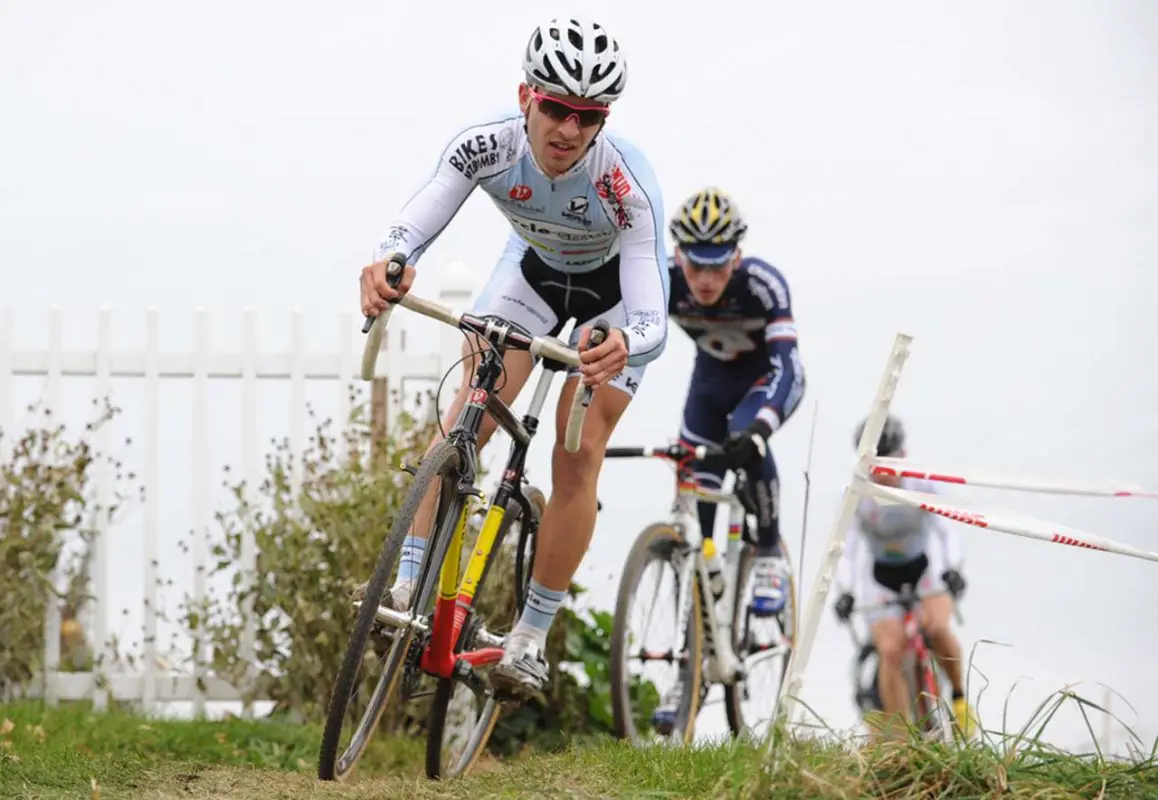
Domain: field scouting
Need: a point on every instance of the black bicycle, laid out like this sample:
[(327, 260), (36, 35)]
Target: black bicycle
[(444, 636)]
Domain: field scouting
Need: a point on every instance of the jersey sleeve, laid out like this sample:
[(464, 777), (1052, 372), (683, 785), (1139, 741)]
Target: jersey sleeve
[(786, 372), (630, 196), (432, 207)]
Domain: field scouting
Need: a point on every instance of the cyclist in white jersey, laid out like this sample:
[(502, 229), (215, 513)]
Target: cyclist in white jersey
[(586, 243), (904, 545)]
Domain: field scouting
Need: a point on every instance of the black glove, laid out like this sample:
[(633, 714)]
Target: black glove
[(745, 447), (843, 607), (953, 582)]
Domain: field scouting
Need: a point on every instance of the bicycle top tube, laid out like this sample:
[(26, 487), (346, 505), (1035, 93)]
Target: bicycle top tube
[(680, 453), (677, 452)]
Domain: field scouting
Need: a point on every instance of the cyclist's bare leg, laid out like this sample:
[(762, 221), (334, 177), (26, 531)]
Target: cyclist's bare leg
[(889, 638), (935, 613), (569, 518), (518, 366), (564, 533)]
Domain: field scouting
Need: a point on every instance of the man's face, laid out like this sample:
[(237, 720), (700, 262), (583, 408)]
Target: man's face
[(560, 127), (707, 281)]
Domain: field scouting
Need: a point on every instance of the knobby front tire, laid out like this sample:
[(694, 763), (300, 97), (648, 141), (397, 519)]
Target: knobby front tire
[(655, 543), (734, 693), (438, 466)]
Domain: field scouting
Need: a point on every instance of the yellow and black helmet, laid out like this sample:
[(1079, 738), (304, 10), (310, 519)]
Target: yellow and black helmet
[(708, 227)]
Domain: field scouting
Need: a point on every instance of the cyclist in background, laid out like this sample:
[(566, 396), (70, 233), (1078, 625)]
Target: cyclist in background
[(586, 242), (905, 545), (746, 382)]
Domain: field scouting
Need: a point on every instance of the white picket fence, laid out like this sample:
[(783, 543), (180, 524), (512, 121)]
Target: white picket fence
[(197, 369)]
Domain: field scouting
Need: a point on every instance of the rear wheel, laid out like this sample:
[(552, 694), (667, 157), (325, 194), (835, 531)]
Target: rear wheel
[(462, 718), (439, 469), (634, 696)]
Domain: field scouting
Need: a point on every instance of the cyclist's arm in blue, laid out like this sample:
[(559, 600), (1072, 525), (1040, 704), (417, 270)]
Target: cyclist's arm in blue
[(786, 373), (643, 269), (465, 160)]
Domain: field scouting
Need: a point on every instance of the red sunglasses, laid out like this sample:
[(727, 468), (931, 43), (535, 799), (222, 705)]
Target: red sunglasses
[(560, 111)]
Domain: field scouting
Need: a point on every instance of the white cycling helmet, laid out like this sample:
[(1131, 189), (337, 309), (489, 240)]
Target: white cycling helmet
[(578, 57)]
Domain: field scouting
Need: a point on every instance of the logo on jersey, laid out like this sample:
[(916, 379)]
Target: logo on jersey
[(475, 153), (394, 237), (613, 187), (507, 143), (577, 209), (559, 233), (640, 321), (520, 192), (760, 290), (775, 284)]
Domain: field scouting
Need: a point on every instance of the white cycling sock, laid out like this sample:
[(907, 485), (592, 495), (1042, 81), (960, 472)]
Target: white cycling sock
[(538, 613)]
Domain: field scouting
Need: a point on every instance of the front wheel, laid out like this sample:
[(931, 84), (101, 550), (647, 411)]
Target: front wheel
[(635, 698), (438, 472), (763, 646)]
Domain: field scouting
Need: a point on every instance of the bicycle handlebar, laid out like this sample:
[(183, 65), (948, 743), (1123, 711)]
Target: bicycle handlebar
[(504, 334), (917, 597), (673, 452)]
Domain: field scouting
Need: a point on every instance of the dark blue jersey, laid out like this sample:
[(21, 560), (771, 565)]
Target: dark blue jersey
[(748, 334)]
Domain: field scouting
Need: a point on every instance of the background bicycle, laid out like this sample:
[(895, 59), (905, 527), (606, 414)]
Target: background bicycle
[(926, 685), (696, 626)]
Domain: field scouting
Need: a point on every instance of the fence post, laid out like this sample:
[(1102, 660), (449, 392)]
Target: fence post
[(99, 566), (251, 460), (200, 504), (379, 412), (454, 291), (53, 606), (810, 620)]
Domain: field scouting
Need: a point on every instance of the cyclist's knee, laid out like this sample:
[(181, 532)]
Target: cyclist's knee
[(890, 646), (575, 472), (937, 628), (935, 618)]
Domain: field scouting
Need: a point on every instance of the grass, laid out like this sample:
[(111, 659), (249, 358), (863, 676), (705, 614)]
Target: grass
[(65, 752)]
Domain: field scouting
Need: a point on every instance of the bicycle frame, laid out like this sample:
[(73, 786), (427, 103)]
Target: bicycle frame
[(723, 664), (455, 601)]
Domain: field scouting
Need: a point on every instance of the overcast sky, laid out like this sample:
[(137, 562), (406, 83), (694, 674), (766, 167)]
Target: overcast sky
[(981, 176)]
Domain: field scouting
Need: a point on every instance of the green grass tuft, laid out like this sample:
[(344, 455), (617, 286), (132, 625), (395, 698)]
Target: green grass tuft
[(60, 752)]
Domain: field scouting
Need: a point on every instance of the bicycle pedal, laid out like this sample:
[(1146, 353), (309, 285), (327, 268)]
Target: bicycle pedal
[(508, 701)]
